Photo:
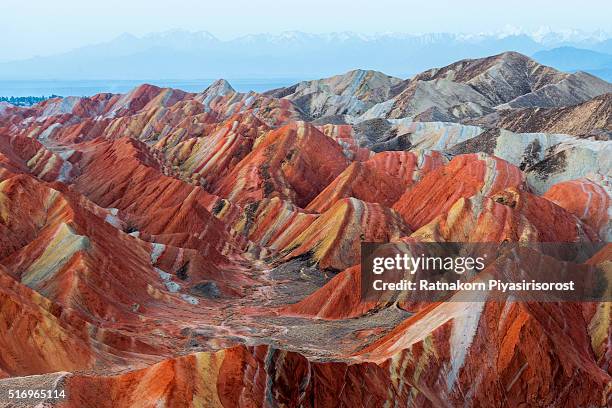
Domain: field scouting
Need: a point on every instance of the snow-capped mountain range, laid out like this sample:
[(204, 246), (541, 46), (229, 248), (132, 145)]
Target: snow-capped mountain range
[(188, 55)]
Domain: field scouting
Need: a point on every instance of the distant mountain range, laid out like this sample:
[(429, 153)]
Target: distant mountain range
[(189, 55), (577, 59)]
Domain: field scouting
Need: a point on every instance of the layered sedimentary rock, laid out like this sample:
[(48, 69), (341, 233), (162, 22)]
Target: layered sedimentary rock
[(472, 88), (207, 159), (273, 223), (593, 117), (439, 189), (585, 199), (381, 179), (165, 248), (421, 363), (294, 162), (348, 94), (508, 215), (332, 241), (221, 100), (67, 259), (340, 298)]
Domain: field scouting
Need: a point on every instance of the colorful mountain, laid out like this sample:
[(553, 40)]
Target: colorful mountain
[(166, 248)]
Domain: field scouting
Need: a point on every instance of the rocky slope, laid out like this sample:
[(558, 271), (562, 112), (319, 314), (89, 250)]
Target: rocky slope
[(164, 248), (472, 88), (590, 118), (349, 94)]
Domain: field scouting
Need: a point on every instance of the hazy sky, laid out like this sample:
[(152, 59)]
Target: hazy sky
[(42, 27)]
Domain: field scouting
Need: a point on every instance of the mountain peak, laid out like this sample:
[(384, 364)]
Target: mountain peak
[(512, 55), (468, 69), (182, 35), (125, 36), (220, 87)]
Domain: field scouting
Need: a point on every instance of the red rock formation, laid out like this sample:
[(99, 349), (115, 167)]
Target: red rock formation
[(422, 376), (512, 215), (340, 298), (55, 340), (266, 377), (344, 135), (70, 251), (465, 176), (333, 240), (226, 102), (585, 199), (442, 346), (20, 154), (147, 238), (210, 158), (151, 202), (294, 162), (273, 223), (381, 179)]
